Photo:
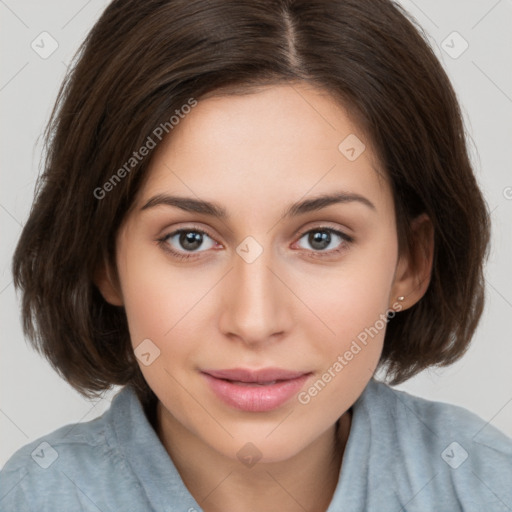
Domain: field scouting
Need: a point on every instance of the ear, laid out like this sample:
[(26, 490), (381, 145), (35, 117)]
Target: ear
[(108, 284), (414, 269)]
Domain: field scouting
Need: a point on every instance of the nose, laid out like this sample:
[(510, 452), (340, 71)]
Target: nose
[(257, 306)]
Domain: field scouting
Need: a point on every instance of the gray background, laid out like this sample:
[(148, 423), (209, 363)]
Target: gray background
[(35, 401)]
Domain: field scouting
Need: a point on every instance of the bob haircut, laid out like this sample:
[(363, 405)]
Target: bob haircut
[(143, 61)]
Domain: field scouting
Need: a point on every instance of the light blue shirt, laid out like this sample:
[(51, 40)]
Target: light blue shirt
[(403, 454)]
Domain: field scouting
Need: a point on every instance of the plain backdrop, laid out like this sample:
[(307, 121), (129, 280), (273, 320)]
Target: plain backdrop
[(473, 39)]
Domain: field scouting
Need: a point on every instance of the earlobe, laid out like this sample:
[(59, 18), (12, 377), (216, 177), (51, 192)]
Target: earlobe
[(108, 285), (414, 270)]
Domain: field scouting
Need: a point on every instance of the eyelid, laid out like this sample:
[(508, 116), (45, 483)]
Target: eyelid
[(324, 227), (167, 233)]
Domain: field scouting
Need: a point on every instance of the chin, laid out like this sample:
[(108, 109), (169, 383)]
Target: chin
[(251, 446)]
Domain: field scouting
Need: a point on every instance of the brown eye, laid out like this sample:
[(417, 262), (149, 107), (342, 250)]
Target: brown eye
[(190, 241), (182, 241), (325, 239)]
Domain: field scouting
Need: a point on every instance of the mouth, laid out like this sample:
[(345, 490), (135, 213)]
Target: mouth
[(255, 390)]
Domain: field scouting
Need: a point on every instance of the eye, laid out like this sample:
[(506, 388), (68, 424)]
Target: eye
[(186, 240), (326, 240), (186, 243)]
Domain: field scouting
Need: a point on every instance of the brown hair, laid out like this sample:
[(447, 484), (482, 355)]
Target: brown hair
[(144, 60)]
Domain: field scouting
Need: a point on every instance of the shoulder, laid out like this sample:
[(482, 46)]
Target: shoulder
[(440, 420), (463, 455), (73, 468)]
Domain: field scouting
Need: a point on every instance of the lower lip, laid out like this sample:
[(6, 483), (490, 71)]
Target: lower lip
[(255, 398)]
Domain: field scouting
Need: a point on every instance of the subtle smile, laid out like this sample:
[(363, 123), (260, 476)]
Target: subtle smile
[(255, 390)]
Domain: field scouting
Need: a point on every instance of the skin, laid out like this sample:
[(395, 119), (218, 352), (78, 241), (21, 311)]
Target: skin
[(294, 307)]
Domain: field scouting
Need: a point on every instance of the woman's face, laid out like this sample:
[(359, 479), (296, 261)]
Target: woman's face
[(264, 320)]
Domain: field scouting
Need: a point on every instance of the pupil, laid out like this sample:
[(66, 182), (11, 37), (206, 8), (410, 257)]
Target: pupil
[(191, 240), (320, 239)]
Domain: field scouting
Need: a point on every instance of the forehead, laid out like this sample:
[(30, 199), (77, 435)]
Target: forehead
[(279, 143)]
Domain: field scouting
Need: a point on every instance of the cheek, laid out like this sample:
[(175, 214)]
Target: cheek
[(162, 307), (353, 304), (357, 316), (166, 305), (354, 298), (159, 298)]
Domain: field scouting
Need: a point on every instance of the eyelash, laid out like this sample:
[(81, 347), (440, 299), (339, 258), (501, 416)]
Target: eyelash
[(162, 242)]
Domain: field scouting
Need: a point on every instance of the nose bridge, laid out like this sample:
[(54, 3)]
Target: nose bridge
[(255, 308)]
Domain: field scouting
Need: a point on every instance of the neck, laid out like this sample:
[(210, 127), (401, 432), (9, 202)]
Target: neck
[(305, 481)]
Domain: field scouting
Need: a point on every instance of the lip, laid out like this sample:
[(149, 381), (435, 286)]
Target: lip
[(255, 390)]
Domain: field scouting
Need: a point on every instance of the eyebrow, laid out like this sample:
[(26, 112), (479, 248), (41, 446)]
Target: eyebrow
[(190, 204)]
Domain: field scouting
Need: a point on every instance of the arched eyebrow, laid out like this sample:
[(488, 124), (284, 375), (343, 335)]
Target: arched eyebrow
[(190, 204), (325, 200)]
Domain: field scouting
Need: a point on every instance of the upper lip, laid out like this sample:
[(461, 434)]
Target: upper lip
[(256, 376)]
